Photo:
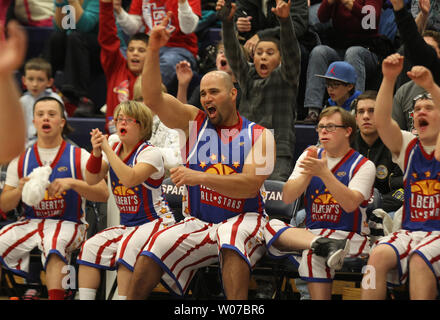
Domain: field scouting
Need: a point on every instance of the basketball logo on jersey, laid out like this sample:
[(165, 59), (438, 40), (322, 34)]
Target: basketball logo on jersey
[(126, 200), (213, 198), (425, 200), (325, 208), (50, 206)]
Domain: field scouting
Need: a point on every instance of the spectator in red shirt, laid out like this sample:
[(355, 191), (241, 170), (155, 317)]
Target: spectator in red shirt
[(182, 44), (120, 72)]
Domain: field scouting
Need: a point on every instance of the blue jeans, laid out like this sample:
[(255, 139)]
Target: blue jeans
[(364, 62), (169, 57)]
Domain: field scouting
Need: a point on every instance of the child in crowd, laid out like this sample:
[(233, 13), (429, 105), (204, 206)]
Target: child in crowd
[(269, 85), (182, 45), (38, 81), (340, 81), (120, 72)]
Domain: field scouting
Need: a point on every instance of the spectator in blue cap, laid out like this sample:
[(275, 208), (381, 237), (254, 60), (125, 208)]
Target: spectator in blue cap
[(340, 81)]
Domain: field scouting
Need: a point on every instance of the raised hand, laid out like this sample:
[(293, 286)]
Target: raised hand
[(425, 6), (13, 49), (222, 10), (422, 76), (159, 34), (244, 24), (184, 72), (282, 9), (392, 66), (251, 44)]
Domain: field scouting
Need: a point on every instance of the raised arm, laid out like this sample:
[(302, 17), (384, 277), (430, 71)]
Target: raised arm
[(422, 76), (130, 23), (422, 17), (233, 50), (416, 49), (173, 113), (299, 13), (188, 20), (108, 37), (290, 51), (388, 129), (12, 124)]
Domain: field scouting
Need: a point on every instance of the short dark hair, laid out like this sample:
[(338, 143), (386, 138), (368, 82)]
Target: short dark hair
[(270, 39), (67, 129), (367, 95), (139, 36)]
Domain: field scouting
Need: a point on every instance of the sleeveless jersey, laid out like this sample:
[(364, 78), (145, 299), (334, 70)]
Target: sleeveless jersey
[(421, 211), (66, 164), (323, 211), (219, 151), (142, 203)]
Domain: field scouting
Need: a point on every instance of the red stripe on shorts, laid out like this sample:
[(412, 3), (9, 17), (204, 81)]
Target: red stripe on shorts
[(206, 240), (18, 242), (127, 239), (180, 240), (235, 229), (104, 246)]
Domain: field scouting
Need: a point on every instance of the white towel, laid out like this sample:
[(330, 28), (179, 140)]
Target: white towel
[(35, 189)]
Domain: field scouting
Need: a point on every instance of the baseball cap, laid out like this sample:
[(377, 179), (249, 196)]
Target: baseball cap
[(340, 71)]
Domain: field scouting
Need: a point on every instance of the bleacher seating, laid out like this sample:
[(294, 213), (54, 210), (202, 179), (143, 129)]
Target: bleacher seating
[(37, 37)]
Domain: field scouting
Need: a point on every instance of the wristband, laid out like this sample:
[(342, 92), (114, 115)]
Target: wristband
[(94, 164)]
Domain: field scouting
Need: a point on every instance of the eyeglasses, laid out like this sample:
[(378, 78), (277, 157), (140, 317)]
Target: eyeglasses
[(127, 120), (422, 96), (329, 127), (334, 84)]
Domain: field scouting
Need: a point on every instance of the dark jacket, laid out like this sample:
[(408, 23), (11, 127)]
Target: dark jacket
[(268, 26), (416, 50), (389, 177)]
